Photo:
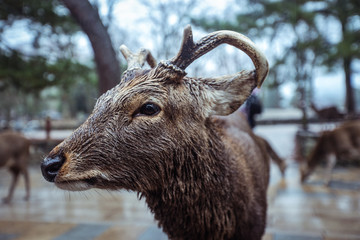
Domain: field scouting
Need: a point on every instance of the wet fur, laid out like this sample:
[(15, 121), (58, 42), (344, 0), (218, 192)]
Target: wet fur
[(203, 176)]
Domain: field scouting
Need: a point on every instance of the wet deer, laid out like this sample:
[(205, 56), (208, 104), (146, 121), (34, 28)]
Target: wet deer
[(340, 145), (14, 155), (178, 142)]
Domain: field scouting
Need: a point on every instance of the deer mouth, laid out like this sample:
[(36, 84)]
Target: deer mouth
[(81, 182), (76, 185)]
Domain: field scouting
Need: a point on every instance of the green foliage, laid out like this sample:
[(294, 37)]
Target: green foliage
[(42, 12), (308, 24), (34, 72), (46, 61), (21, 74)]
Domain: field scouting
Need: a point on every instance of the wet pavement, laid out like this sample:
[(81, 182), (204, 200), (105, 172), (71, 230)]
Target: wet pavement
[(296, 212)]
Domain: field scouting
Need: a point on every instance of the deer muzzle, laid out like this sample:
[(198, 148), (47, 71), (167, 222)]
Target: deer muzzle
[(51, 166)]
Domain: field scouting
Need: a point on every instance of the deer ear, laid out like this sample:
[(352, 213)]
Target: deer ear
[(227, 93)]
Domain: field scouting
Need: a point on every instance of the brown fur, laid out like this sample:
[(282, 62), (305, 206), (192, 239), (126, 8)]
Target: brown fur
[(14, 155), (340, 144), (203, 176), (328, 113), (272, 154)]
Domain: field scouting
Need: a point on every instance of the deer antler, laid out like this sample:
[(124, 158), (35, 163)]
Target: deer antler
[(191, 51), (137, 60)]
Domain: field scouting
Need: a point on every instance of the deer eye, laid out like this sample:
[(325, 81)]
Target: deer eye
[(148, 109)]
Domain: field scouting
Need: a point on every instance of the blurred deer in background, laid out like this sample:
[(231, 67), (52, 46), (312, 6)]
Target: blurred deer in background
[(173, 139), (14, 155), (341, 144), (328, 113)]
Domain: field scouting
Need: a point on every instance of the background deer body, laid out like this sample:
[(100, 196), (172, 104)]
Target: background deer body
[(14, 155), (327, 113), (341, 144), (156, 133)]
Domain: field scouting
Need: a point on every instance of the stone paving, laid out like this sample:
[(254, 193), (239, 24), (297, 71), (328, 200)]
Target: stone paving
[(296, 212)]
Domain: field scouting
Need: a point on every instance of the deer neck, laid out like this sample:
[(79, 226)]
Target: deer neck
[(196, 199)]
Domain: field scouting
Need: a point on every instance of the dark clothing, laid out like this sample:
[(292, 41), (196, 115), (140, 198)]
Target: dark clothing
[(253, 106)]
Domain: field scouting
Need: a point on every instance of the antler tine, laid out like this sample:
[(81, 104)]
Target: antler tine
[(137, 60), (191, 51), (185, 53)]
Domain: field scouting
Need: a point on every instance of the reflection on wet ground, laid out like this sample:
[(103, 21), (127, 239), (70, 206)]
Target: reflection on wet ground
[(314, 211), (55, 214), (296, 212)]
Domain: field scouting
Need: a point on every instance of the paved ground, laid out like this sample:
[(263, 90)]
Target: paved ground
[(296, 212)]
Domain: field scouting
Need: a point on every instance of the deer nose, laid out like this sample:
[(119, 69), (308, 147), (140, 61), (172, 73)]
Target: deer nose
[(51, 166)]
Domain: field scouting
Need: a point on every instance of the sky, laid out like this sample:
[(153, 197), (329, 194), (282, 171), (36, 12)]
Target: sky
[(329, 87)]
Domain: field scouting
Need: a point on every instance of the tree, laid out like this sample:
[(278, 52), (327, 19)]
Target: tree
[(43, 16), (25, 67), (46, 59), (88, 18), (345, 51), (298, 23)]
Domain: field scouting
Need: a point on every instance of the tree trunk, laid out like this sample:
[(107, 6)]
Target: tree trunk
[(349, 97), (350, 102), (88, 18)]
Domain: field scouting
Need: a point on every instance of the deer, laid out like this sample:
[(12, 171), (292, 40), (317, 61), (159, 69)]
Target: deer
[(14, 155), (178, 142), (340, 145), (327, 113)]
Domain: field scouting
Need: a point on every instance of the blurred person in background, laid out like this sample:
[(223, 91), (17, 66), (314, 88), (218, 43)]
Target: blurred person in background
[(48, 127), (253, 107)]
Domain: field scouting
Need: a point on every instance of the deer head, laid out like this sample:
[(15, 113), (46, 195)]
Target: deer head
[(149, 117)]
